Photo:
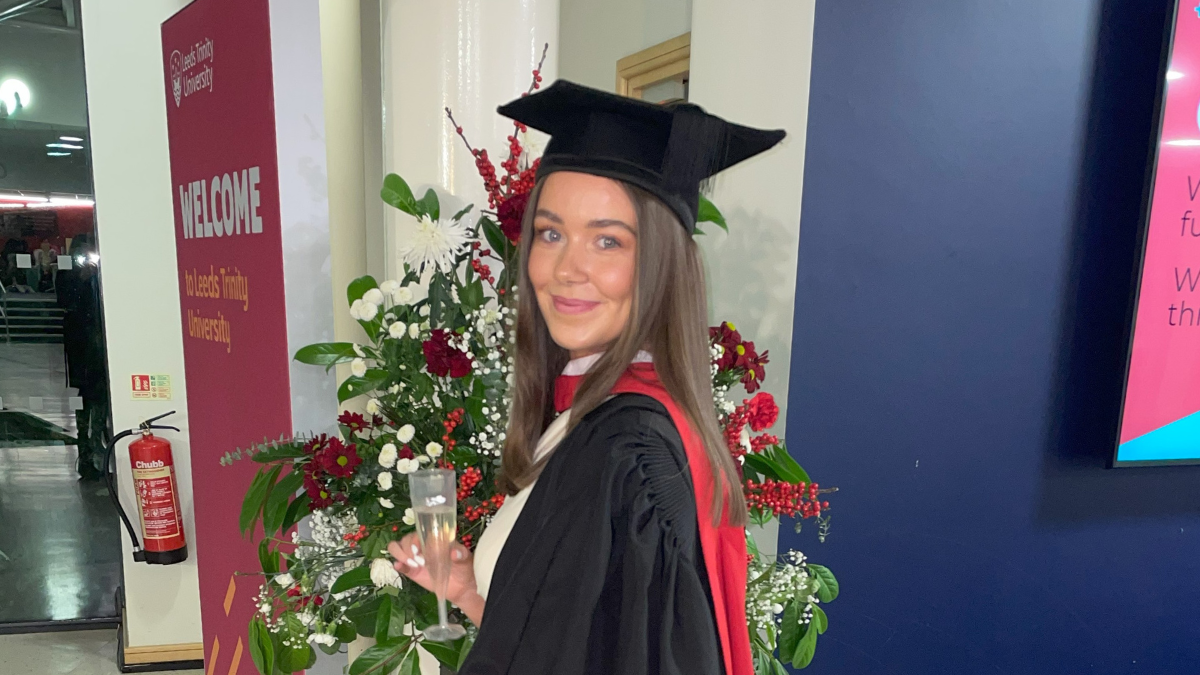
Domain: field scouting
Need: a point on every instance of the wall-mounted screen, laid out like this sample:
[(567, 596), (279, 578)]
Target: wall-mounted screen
[(1160, 418)]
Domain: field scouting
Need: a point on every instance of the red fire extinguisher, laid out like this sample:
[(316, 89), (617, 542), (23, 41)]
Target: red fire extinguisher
[(157, 495)]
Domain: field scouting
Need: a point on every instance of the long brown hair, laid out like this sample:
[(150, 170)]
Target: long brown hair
[(668, 318)]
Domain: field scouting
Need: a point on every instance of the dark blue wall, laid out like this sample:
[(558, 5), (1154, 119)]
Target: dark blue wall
[(971, 200)]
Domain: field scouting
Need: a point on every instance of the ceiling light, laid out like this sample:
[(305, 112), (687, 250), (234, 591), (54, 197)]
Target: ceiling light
[(68, 146), (22, 198), (14, 95), (58, 154), (70, 138), (68, 201), (1174, 74)]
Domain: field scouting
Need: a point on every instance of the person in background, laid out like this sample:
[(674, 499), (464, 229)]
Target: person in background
[(78, 292)]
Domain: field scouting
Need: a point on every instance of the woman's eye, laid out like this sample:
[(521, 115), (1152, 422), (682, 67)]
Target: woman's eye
[(609, 242), (548, 235)]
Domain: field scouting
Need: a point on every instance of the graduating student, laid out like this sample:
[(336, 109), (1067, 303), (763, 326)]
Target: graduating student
[(621, 546)]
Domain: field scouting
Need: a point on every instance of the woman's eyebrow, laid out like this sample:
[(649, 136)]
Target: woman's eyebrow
[(610, 222), (549, 215)]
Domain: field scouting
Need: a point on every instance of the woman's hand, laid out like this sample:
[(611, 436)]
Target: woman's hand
[(461, 590)]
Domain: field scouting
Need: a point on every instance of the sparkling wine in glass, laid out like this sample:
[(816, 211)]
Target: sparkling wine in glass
[(433, 497)]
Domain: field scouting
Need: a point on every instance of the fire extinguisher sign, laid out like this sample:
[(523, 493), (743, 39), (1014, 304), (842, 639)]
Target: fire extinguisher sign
[(151, 387)]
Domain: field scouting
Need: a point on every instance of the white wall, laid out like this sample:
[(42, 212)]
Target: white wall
[(751, 63), (51, 64), (134, 216), (594, 35)]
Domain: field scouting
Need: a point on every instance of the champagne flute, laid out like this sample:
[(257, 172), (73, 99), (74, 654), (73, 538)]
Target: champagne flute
[(434, 502)]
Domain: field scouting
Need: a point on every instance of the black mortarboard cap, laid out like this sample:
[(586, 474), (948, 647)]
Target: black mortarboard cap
[(669, 150)]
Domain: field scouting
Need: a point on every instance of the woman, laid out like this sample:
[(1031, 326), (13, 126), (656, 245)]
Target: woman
[(621, 546)]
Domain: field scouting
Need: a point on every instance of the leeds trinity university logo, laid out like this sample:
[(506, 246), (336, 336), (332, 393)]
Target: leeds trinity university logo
[(177, 76)]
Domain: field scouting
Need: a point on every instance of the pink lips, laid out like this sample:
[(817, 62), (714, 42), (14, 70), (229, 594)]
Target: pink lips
[(569, 306)]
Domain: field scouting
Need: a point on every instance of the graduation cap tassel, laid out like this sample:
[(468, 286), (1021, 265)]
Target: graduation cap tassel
[(696, 149)]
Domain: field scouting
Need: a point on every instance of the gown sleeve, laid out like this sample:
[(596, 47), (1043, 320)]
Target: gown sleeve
[(603, 571)]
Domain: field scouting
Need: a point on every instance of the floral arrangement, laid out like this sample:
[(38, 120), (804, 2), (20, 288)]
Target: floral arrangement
[(435, 371)]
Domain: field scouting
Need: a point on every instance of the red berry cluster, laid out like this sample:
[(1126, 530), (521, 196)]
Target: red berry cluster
[(356, 536), (452, 420), (783, 498), (467, 481), (474, 513), (733, 430), (296, 592), (483, 270), (467, 540)]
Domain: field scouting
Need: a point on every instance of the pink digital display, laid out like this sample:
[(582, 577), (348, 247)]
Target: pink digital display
[(1160, 420)]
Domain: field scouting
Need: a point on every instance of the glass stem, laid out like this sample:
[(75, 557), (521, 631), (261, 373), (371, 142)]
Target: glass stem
[(443, 616)]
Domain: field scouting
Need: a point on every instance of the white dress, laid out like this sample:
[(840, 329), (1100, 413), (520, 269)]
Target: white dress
[(492, 541)]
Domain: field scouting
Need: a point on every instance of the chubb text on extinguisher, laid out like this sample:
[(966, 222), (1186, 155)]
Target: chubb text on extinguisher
[(156, 464), (225, 206)]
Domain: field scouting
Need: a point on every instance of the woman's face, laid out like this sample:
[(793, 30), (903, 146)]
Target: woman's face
[(583, 260)]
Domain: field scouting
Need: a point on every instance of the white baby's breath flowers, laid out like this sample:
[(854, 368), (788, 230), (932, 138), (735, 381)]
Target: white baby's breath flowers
[(323, 638), (384, 501), (388, 455), (405, 434), (358, 367), (407, 466), (433, 449), (384, 574), (373, 296), (410, 516), (397, 330), (384, 481)]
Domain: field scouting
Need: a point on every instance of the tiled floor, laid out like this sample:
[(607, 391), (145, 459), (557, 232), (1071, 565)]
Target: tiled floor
[(91, 652), (60, 549)]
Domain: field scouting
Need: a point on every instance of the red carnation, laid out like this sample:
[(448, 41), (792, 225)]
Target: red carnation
[(406, 453), (442, 359), (763, 411), (339, 459), (510, 213)]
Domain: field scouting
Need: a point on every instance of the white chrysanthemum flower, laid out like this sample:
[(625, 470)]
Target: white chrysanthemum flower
[(424, 311), (372, 406), (410, 517), (406, 433), (356, 310), (397, 330), (387, 456), (407, 466), (433, 449), (413, 331), (285, 580), (322, 639), (358, 367), (384, 481), (373, 296), (403, 295), (435, 243), (384, 501), (384, 574), (367, 310), (388, 287)]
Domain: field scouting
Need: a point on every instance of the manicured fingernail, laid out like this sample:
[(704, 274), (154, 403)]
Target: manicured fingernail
[(412, 563), (415, 550), (420, 560)]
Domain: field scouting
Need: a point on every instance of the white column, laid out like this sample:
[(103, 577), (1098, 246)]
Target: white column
[(470, 56)]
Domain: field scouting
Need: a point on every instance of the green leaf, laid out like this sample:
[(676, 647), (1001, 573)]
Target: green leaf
[(397, 193), (412, 664), (345, 632), (255, 497), (276, 505), (710, 214), (262, 651), (326, 353), (496, 239), (465, 211), (380, 659), (777, 668), (293, 660), (383, 618), (791, 470), (299, 508), (472, 294), (828, 590), (329, 649), (427, 613), (820, 619), (268, 559), (356, 288), (359, 576), (363, 616), (429, 205), (445, 653), (791, 632), (805, 650), (278, 451), (373, 380)]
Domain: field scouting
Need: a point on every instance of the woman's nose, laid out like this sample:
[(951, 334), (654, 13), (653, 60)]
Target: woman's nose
[(571, 266)]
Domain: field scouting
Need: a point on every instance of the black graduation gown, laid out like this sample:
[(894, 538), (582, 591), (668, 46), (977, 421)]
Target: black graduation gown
[(603, 572)]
